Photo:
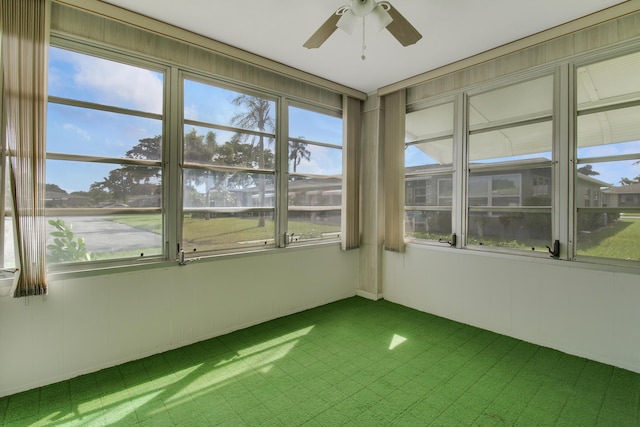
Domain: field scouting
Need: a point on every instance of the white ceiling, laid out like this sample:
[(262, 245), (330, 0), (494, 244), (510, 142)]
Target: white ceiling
[(451, 29)]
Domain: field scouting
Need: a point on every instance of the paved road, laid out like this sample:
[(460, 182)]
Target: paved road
[(99, 235), (108, 236)]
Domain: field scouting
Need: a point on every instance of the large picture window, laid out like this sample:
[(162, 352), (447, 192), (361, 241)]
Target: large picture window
[(547, 162), (227, 181), (104, 159)]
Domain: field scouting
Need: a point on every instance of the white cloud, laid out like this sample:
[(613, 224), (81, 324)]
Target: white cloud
[(191, 112), (119, 84)]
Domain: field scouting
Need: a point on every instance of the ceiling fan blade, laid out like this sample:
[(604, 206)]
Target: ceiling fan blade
[(322, 33), (401, 29)]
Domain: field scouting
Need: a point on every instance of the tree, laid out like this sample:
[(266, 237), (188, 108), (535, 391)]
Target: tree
[(256, 115), (54, 187), (237, 153), (588, 170), (130, 179), (146, 149), (297, 152), (200, 149), (119, 183), (627, 181), (97, 196)]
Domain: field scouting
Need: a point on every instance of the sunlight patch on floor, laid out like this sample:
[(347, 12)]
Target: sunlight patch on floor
[(396, 341), (257, 358)]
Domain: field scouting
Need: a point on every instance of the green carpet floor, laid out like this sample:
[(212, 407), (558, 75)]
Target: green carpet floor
[(354, 362)]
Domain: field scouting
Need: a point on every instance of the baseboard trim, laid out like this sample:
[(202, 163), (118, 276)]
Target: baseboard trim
[(368, 295)]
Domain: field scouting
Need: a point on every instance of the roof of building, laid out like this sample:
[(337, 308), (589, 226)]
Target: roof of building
[(624, 189)]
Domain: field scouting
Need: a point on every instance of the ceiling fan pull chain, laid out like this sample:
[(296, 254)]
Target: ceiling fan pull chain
[(364, 46)]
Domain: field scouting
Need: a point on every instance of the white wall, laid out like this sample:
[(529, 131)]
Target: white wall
[(87, 324), (578, 310)]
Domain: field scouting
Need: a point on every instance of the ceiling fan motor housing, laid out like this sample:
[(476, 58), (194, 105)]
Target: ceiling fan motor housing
[(362, 7)]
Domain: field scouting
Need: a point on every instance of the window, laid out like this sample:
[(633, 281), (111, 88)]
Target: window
[(541, 186), (495, 190), (117, 192), (228, 169), (509, 172), (510, 142), (607, 170), (429, 188), (104, 159), (315, 175)]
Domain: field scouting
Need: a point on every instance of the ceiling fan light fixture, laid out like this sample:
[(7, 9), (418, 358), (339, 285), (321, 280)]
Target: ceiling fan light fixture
[(347, 22), (380, 18), (383, 15)]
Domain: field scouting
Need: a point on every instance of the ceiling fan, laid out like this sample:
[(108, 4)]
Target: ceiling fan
[(382, 14)]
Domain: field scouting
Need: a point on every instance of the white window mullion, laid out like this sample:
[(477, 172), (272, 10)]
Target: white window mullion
[(460, 170), (172, 143), (282, 174), (564, 161)]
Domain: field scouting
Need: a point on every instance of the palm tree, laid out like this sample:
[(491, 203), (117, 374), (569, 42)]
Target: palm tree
[(298, 151), (256, 115)]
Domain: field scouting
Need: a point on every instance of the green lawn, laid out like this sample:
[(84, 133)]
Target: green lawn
[(152, 223), (221, 233), (620, 240)]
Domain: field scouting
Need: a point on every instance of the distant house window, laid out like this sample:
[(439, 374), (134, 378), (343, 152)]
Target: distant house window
[(630, 200), (587, 197), (541, 186), (445, 192)]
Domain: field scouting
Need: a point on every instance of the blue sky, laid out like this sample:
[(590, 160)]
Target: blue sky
[(98, 133), (93, 132)]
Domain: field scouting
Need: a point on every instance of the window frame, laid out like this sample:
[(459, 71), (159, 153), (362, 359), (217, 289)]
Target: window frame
[(290, 239), (122, 57), (183, 165), (171, 164), (509, 166), (562, 182), (437, 172), (599, 56)]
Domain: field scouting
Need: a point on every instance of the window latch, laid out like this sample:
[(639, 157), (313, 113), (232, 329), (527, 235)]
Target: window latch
[(451, 242), (555, 252)]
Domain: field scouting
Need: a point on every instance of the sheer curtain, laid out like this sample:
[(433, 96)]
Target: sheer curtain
[(352, 113), (394, 129), (24, 35)]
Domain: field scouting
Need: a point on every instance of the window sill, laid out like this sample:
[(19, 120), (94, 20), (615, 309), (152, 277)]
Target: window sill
[(94, 269), (599, 264)]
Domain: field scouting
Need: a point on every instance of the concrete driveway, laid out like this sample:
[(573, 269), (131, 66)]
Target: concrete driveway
[(101, 235)]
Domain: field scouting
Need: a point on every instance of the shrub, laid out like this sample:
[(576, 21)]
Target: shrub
[(65, 247)]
